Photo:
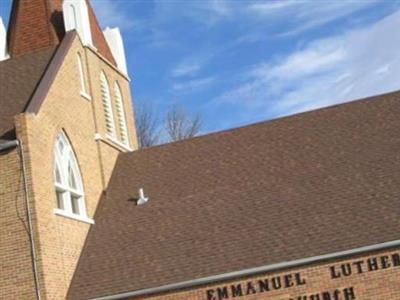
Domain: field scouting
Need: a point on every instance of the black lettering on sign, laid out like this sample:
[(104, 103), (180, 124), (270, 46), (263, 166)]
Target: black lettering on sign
[(326, 296), (336, 295), (222, 293), (345, 294), (288, 280), (315, 297), (346, 269), (396, 260), (254, 287), (210, 295), (359, 265), (334, 273), (362, 266), (250, 289), (276, 283), (349, 294), (299, 280), (263, 285), (385, 262), (236, 290), (372, 264)]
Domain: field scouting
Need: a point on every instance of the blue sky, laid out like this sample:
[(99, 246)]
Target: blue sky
[(240, 62)]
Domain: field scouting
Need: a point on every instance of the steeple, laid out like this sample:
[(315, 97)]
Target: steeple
[(39, 24), (34, 25)]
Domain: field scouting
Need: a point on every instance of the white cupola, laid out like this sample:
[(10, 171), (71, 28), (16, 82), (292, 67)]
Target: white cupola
[(3, 41), (116, 44), (76, 16)]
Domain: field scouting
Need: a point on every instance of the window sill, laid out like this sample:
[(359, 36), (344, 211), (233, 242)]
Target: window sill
[(112, 142), (60, 212), (86, 96), (122, 145)]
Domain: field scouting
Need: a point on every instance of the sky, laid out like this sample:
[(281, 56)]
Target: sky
[(240, 62)]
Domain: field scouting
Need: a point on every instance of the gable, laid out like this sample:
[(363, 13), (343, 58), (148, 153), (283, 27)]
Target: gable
[(36, 30)]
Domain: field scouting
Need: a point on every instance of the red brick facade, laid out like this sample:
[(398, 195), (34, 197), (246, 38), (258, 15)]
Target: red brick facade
[(38, 24), (40, 15)]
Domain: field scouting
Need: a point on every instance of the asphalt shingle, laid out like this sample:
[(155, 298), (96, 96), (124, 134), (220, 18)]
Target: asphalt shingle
[(18, 79), (301, 186)]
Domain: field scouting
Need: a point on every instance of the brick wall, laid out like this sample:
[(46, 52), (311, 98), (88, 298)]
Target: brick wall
[(32, 14), (314, 282), (59, 239), (16, 276)]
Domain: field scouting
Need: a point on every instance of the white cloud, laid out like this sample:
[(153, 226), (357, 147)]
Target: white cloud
[(357, 64), (219, 7), (111, 13), (271, 7), (299, 16), (262, 19), (196, 61), (194, 84), (186, 68), (318, 57), (206, 12)]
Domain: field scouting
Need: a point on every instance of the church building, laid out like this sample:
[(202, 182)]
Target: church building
[(305, 207)]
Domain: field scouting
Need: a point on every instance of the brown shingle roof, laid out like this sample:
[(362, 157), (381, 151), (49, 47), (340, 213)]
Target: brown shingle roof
[(301, 186), (99, 40), (18, 79)]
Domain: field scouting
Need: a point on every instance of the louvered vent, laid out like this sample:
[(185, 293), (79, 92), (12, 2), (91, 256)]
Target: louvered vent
[(119, 106), (106, 98)]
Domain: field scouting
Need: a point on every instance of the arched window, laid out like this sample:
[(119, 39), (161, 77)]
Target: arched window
[(119, 106), (68, 181), (108, 112), (82, 75)]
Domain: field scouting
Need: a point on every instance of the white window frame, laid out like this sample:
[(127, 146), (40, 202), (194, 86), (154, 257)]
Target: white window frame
[(74, 19), (120, 110), (83, 78), (107, 106), (65, 163)]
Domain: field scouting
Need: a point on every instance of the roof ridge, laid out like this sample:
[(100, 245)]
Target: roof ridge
[(261, 123)]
